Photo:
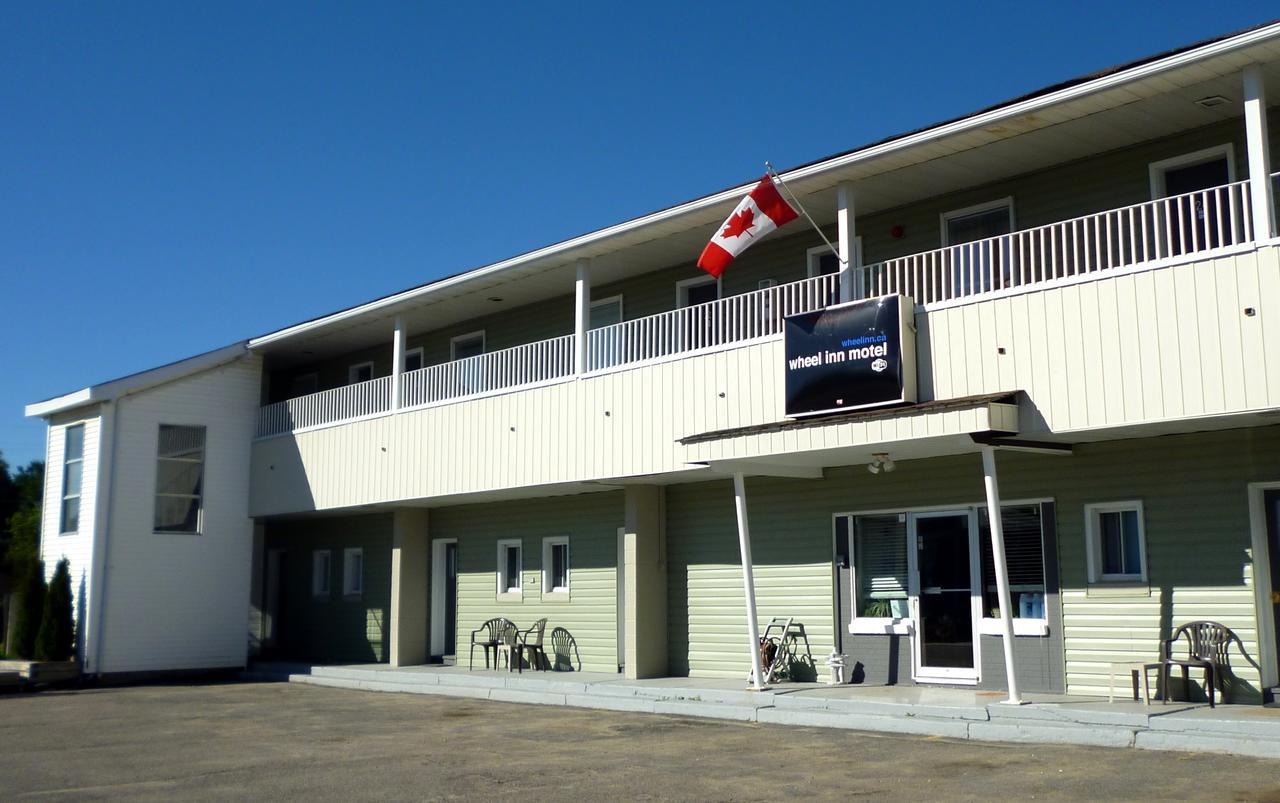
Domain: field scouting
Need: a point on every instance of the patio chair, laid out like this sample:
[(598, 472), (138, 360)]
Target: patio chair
[(531, 643), (487, 636), (508, 645), (565, 650), (1207, 647)]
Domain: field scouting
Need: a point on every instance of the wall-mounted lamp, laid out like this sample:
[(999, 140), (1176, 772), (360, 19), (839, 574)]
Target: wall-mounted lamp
[(880, 461)]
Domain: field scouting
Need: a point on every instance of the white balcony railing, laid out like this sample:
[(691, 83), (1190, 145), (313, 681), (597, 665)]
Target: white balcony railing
[(327, 406), (1146, 233), (515, 367), (1118, 238), (716, 323)]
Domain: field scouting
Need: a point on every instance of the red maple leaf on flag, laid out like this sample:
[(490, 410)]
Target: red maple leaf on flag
[(739, 224)]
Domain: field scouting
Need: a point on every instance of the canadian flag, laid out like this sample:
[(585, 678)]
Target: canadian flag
[(762, 211)]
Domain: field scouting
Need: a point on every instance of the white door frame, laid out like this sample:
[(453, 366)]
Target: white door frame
[(438, 595), (923, 674), (622, 599), (1267, 659)]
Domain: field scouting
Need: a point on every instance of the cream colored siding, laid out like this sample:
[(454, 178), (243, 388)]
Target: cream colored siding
[(191, 591), (590, 521), (76, 547)]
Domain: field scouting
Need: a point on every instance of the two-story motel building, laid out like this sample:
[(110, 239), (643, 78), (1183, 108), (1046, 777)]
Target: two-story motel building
[(1093, 275)]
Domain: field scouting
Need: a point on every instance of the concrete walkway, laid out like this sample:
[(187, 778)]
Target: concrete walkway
[(927, 711)]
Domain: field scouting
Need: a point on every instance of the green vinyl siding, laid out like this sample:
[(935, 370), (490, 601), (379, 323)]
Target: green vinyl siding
[(334, 628), (1193, 488), (590, 521)]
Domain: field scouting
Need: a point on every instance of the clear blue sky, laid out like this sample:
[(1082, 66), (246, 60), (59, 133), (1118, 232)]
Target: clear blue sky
[(176, 177)]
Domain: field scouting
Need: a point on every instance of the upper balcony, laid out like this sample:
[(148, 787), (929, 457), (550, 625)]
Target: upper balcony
[(1187, 227)]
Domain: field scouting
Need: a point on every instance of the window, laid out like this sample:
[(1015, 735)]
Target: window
[(468, 345), (1115, 542), (1211, 167), (978, 222), (1023, 554), (821, 262), (179, 479), (697, 291), (555, 565), (360, 372), (304, 385), (510, 564), (321, 571), (72, 474), (414, 359), (352, 572), (605, 312), (975, 263), (880, 567), (1196, 219)]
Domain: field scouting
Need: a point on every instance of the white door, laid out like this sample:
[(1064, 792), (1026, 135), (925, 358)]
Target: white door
[(946, 601)]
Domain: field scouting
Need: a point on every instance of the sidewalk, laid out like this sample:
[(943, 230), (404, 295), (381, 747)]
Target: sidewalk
[(917, 710)]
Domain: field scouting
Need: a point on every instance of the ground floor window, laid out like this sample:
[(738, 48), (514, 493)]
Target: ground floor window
[(321, 567), (1024, 555), (555, 565), (510, 566), (352, 572), (1114, 542)]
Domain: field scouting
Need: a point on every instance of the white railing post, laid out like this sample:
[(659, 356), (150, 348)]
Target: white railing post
[(847, 236), (1255, 129), (581, 315), (397, 362)]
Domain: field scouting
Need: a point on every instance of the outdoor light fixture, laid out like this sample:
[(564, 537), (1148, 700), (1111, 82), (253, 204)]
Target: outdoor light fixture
[(880, 460)]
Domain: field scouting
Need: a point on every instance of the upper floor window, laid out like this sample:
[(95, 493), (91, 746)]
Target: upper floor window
[(982, 267), (413, 359), (1115, 544), (698, 290), (1211, 167), (179, 479), (606, 312), (360, 372), (468, 345), (304, 385), (977, 222), (72, 474)]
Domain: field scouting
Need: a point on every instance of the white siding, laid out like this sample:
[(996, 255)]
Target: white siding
[(182, 601), (76, 547)]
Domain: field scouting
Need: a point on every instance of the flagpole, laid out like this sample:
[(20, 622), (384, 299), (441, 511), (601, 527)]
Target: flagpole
[(774, 175)]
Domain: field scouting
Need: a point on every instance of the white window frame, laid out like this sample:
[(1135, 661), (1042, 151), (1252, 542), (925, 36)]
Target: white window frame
[(812, 255), (353, 372), (66, 465), (352, 583), (1093, 542), (872, 625), (502, 581), (204, 459), (1158, 169), (422, 358), (975, 209), (456, 339), (682, 289), (321, 581), (315, 383), (607, 300), (548, 546)]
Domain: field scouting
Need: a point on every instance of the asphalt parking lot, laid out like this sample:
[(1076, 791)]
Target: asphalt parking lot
[(283, 741)]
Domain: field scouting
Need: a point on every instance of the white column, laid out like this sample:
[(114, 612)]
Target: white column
[(397, 363), (1002, 569), (847, 237), (748, 580), (1255, 129), (581, 315)]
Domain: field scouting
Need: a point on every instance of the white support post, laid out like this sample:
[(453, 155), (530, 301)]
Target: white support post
[(397, 362), (847, 236), (1002, 568), (581, 315), (748, 580), (1255, 128)]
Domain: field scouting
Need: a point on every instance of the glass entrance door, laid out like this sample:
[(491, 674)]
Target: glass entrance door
[(944, 583)]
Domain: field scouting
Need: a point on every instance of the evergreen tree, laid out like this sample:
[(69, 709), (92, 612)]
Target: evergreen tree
[(56, 639), (31, 613)]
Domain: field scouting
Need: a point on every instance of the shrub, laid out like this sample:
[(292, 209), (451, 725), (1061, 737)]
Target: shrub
[(30, 612), (56, 639)]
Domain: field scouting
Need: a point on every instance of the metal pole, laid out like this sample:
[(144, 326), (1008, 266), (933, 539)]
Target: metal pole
[(1002, 569), (748, 581), (783, 186)]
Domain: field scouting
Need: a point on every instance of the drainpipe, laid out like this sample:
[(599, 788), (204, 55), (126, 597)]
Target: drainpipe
[(748, 580), (1002, 569)]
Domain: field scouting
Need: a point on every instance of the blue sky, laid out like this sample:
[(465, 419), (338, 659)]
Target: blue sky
[(176, 177)]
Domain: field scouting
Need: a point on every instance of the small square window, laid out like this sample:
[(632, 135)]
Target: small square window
[(360, 372), (510, 567), (321, 569), (555, 565), (1116, 544), (352, 572)]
